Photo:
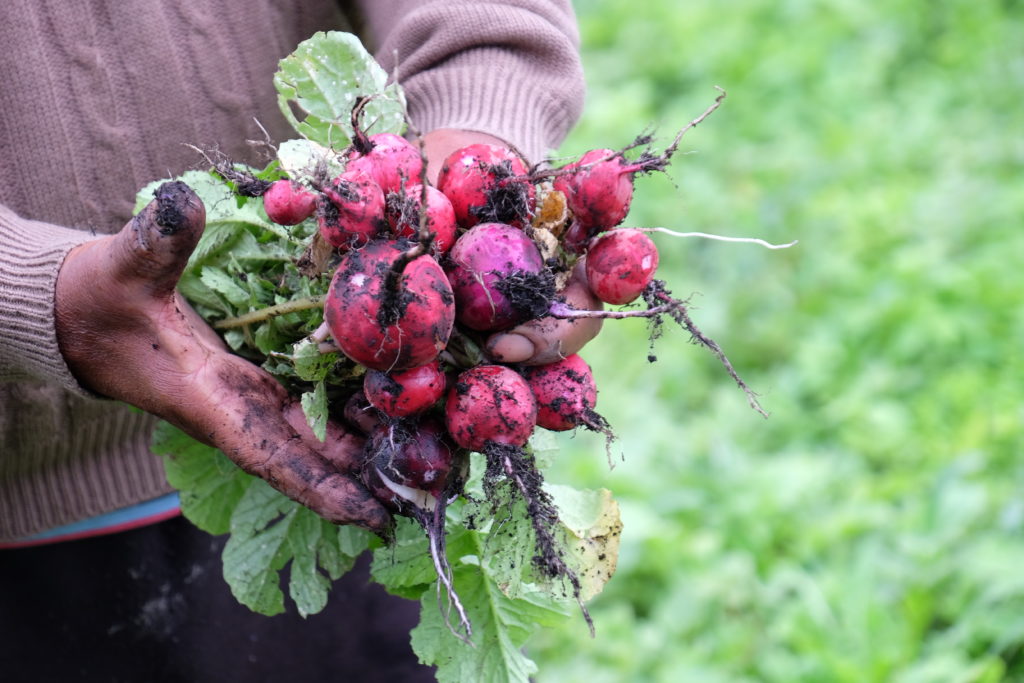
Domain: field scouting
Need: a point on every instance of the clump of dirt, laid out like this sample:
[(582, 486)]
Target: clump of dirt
[(530, 294), (508, 201)]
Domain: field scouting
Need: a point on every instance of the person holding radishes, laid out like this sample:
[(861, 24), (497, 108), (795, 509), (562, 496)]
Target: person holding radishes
[(98, 102)]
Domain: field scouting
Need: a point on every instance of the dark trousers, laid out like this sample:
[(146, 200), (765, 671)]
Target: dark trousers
[(150, 606)]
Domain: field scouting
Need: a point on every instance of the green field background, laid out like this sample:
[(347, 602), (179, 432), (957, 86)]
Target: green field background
[(872, 529)]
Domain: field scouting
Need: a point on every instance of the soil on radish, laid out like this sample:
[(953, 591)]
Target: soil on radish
[(328, 214), (509, 200), (530, 294), (388, 317)]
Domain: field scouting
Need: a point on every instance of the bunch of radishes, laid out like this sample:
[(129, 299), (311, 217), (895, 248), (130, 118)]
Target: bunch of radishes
[(423, 275), (470, 263)]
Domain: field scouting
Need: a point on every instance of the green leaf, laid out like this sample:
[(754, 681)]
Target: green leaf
[(200, 295), (307, 586), (314, 406), (544, 446), (219, 281), (210, 485), (501, 627), (252, 556), (406, 563), (509, 553), (315, 546), (310, 363), (593, 529), (267, 531), (270, 338), (301, 158), (352, 541), (319, 83)]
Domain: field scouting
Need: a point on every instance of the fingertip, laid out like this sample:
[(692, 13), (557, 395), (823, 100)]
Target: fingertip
[(382, 525), (346, 501), (510, 348), (156, 244), (177, 208)]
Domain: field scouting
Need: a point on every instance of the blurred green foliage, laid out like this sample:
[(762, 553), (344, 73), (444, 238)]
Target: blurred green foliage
[(872, 529)]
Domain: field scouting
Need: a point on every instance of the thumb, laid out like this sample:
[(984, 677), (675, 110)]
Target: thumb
[(154, 247)]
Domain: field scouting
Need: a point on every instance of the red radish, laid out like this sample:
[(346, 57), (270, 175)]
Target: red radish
[(351, 210), (378, 489), (598, 189), (620, 264), (288, 203), (498, 277), (412, 460), (487, 183), (565, 391), (389, 329), (391, 160), (490, 403), (409, 469), (404, 215), (407, 392)]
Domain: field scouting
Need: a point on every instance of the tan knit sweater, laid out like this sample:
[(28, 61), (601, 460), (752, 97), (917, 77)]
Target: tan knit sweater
[(100, 98)]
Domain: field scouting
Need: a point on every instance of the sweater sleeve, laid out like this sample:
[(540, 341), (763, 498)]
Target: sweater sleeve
[(510, 68), (31, 254)]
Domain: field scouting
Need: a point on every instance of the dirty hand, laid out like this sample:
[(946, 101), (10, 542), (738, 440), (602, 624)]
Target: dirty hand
[(126, 334)]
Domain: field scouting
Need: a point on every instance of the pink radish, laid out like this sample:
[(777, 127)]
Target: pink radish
[(404, 215), (350, 212), (498, 277), (490, 403), (406, 392), (620, 264), (288, 203), (389, 159), (389, 327), (487, 183)]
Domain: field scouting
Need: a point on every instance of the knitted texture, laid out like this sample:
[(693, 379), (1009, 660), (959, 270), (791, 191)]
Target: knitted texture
[(510, 69)]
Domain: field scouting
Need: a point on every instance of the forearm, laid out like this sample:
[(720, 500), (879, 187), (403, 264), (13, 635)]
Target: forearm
[(31, 254), (510, 68)]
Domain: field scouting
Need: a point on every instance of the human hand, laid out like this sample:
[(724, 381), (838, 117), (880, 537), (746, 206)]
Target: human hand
[(126, 334), (546, 340), (537, 342)]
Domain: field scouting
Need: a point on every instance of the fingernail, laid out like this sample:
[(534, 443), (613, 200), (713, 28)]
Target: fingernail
[(171, 200), (510, 348)]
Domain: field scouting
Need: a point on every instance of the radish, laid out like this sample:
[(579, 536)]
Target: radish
[(350, 212), (490, 404), (498, 277), (412, 460), (598, 189), (491, 409), (565, 392), (487, 183), (387, 313), (288, 203), (404, 207), (360, 414), (407, 392), (620, 265), (411, 469), (389, 159)]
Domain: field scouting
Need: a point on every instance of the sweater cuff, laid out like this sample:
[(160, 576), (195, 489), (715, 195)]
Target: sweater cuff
[(517, 111), (31, 254), (508, 68)]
